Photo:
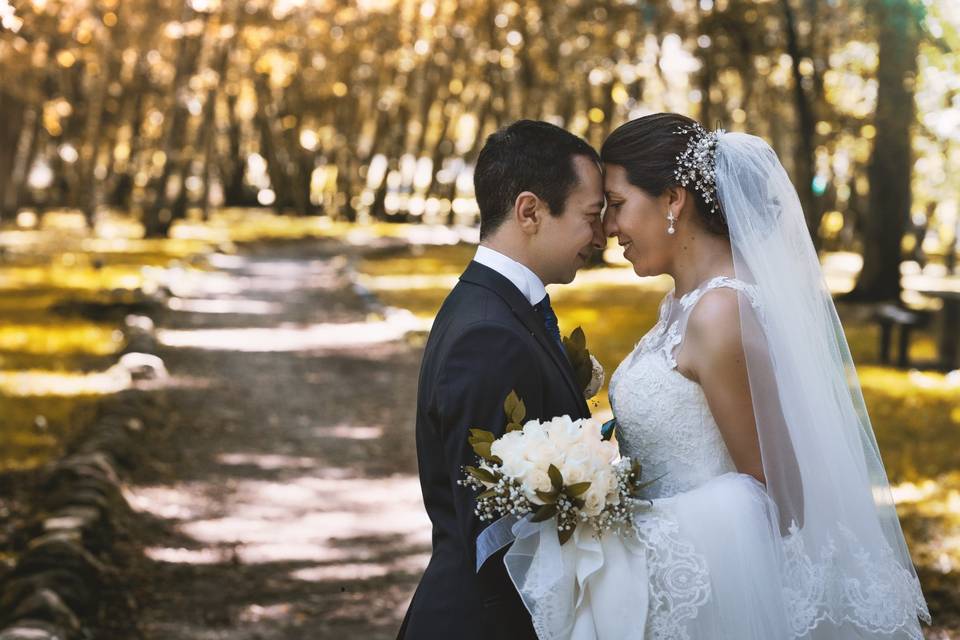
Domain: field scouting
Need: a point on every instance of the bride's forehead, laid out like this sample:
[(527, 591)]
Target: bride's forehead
[(614, 173)]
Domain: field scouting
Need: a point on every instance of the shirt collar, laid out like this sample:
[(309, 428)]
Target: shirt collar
[(520, 275)]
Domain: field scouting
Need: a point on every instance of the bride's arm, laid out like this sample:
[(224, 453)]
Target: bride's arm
[(713, 355)]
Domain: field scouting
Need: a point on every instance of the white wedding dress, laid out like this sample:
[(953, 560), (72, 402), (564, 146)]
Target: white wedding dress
[(817, 553), (717, 565)]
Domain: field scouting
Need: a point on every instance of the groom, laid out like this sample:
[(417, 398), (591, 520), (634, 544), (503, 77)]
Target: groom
[(541, 195)]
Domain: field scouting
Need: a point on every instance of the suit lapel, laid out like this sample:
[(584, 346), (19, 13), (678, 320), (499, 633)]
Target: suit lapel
[(488, 278)]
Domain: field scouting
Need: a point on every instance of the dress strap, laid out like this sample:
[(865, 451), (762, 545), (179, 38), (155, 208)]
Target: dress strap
[(678, 323), (750, 290)]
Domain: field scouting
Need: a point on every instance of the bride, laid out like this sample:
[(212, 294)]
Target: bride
[(771, 514)]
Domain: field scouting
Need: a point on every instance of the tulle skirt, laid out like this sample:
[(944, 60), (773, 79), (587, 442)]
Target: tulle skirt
[(709, 563)]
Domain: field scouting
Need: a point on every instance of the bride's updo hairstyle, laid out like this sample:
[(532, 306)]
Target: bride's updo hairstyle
[(651, 149)]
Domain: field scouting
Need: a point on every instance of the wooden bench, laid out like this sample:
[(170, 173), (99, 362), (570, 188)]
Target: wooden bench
[(889, 316)]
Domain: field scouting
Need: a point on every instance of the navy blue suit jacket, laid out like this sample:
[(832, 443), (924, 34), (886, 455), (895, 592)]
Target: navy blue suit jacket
[(486, 341)]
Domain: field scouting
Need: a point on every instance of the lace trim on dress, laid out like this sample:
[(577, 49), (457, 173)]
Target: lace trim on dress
[(678, 577), (687, 301), (670, 343), (657, 330), (813, 593), (752, 292)]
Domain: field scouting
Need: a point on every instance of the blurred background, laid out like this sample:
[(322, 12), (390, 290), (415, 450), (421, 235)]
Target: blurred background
[(226, 226)]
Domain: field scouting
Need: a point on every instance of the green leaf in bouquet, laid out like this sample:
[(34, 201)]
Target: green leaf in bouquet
[(607, 429), (556, 478), (489, 493), (548, 497), (481, 435), (544, 513), (481, 474), (576, 347), (482, 449), (514, 407), (643, 485), (565, 534), (514, 426), (579, 338), (579, 503), (578, 489)]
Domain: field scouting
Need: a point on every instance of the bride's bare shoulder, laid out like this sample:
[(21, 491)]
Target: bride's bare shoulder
[(714, 323)]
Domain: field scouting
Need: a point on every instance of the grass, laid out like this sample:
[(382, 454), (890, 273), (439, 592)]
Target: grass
[(54, 368)]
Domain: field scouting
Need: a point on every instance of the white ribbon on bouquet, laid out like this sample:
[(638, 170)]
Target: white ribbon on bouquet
[(575, 591)]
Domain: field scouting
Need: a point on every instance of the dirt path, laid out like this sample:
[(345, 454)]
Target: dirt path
[(282, 499)]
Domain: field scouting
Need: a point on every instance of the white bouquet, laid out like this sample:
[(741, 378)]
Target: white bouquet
[(562, 468)]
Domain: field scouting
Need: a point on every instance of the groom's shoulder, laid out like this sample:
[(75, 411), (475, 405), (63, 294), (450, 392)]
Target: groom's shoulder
[(471, 300), (471, 308), (475, 310), (472, 293)]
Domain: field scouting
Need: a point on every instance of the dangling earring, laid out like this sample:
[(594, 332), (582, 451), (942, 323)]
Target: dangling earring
[(672, 218)]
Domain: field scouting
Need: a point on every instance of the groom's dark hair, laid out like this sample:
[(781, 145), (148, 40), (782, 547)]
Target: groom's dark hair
[(528, 155)]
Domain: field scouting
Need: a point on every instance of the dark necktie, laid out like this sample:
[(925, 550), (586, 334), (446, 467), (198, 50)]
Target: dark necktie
[(550, 320)]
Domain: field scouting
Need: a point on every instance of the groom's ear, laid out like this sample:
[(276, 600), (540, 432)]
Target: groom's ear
[(528, 211)]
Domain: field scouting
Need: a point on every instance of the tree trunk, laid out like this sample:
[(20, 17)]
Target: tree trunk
[(891, 160), (93, 131), (807, 122), (12, 111), (122, 189), (159, 216), (234, 191), (22, 159), (270, 147), (209, 127)]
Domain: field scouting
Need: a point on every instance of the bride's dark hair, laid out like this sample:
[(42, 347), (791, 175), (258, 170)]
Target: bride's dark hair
[(648, 148)]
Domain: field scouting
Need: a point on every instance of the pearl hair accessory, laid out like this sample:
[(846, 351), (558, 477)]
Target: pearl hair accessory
[(696, 166)]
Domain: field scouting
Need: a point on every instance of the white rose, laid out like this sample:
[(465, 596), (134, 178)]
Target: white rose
[(563, 432), (536, 447), (533, 429), (544, 454), (509, 448), (590, 430), (577, 465), (526, 455), (581, 453), (509, 445), (594, 501), (536, 479), (605, 480), (604, 450)]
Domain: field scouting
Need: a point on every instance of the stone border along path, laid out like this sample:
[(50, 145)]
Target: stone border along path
[(55, 588), (267, 489)]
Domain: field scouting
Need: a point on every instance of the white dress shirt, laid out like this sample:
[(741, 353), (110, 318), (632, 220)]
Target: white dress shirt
[(521, 276)]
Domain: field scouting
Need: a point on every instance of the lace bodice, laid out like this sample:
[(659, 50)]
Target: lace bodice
[(662, 416), (663, 421)]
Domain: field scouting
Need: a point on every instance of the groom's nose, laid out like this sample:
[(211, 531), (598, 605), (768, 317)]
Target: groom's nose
[(609, 225), (599, 240)]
